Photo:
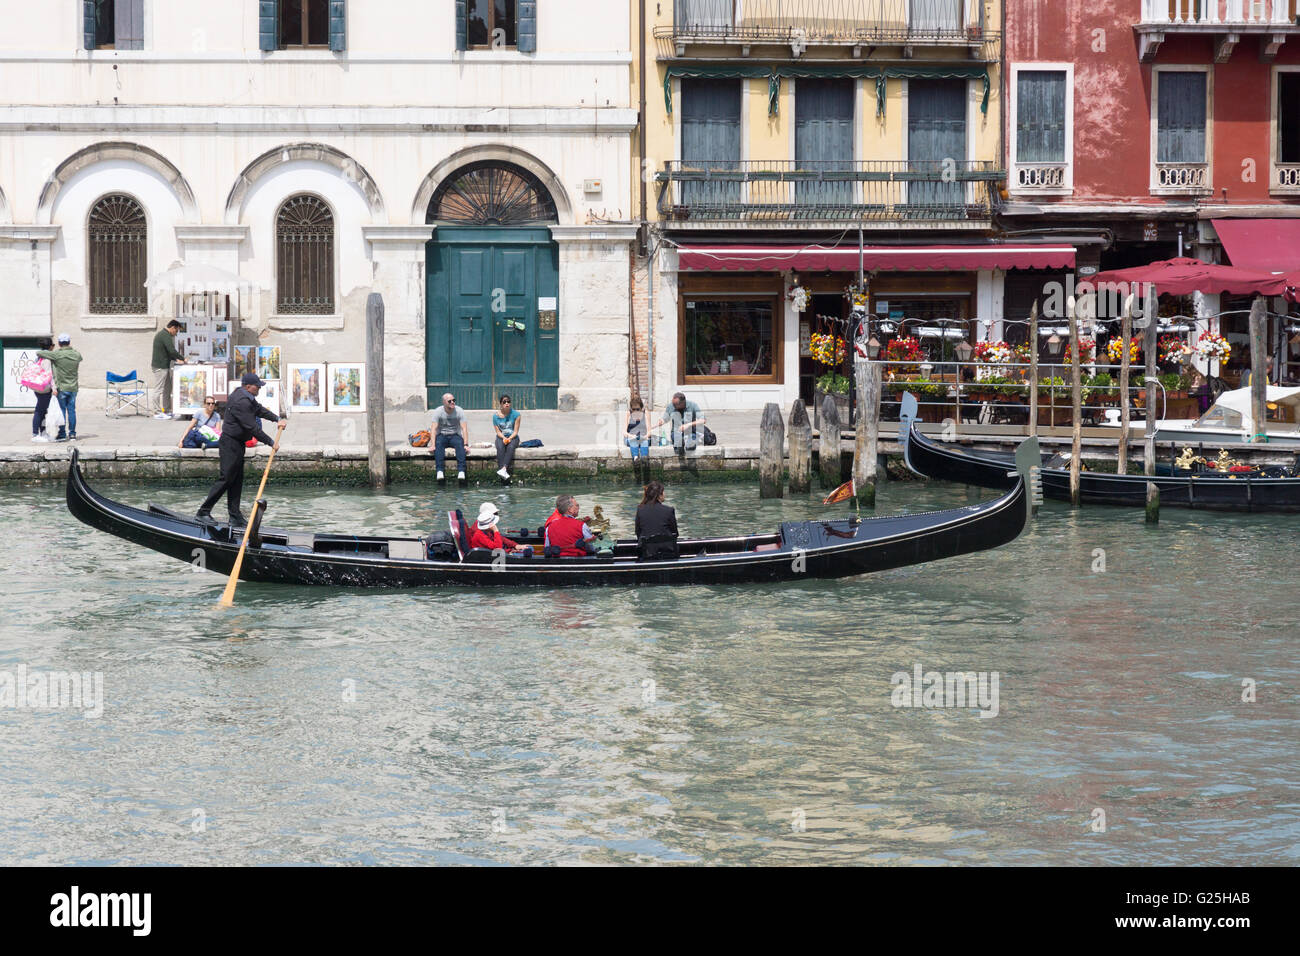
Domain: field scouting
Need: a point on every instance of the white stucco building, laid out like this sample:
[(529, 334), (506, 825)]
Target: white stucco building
[(473, 169)]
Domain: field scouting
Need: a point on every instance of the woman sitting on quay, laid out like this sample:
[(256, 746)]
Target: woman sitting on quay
[(506, 425), (205, 429)]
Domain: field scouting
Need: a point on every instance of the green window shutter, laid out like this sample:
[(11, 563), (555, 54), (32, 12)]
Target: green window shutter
[(462, 26), (88, 23), (526, 36), (338, 25), (129, 24), (268, 24)]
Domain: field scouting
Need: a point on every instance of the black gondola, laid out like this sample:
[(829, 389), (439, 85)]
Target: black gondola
[(941, 460), (800, 549)]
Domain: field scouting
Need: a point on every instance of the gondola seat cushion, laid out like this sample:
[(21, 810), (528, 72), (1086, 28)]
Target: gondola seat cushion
[(479, 556), (658, 547)]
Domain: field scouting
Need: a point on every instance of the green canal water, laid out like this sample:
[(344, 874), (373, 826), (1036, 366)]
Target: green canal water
[(669, 725)]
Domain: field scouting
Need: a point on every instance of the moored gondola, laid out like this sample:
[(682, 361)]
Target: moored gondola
[(798, 550), (1242, 492)]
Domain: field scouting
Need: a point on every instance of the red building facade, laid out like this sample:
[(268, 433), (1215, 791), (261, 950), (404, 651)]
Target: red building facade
[(1134, 126)]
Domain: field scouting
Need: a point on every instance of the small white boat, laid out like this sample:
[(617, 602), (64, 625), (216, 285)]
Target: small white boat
[(1229, 420)]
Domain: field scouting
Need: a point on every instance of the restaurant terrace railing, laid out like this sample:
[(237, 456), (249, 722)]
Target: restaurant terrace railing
[(826, 21), (943, 191)]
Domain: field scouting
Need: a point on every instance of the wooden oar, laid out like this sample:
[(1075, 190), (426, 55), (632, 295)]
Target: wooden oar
[(228, 595)]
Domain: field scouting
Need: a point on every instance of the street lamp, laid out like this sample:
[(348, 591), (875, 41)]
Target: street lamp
[(1054, 344), (963, 350), (873, 348)]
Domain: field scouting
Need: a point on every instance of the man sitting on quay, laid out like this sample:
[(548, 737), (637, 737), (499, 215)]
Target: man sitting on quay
[(450, 427), (566, 531), (685, 419), (242, 412)]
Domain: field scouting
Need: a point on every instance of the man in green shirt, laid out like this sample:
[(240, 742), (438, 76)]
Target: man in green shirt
[(65, 360), (164, 353)]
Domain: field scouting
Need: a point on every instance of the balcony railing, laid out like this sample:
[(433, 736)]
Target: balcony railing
[(1210, 13), (1045, 176), (775, 192), (825, 21), (1183, 177), (1286, 177)]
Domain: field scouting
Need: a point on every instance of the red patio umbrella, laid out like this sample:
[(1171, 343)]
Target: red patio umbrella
[(1185, 276)]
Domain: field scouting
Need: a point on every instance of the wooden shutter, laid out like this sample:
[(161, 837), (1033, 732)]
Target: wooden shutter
[(462, 25), (711, 137), (936, 131), (268, 24), (129, 24), (338, 25), (526, 34), (88, 23), (823, 137), (1040, 116), (1180, 125)]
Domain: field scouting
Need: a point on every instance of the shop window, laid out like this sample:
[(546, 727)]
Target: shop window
[(117, 236), (729, 337), (304, 257)]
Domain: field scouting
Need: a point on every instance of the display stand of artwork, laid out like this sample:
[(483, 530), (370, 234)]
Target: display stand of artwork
[(306, 388), (268, 362), (346, 387), (269, 395), (219, 382), (191, 384)]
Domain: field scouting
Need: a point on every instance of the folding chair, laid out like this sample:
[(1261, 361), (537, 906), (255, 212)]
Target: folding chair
[(123, 391)]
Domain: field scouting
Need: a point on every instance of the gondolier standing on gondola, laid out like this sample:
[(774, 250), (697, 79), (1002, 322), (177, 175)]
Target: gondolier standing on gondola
[(239, 425)]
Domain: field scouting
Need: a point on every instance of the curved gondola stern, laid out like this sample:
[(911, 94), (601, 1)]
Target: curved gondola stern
[(906, 419)]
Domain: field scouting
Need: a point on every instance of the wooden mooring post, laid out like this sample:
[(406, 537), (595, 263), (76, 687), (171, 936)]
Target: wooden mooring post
[(1033, 370), (1149, 431), (800, 449), (376, 446), (829, 449), (771, 452), (1076, 404), (1258, 371), (1126, 336), (866, 437)]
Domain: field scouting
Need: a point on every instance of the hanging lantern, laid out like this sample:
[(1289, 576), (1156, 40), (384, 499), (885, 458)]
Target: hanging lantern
[(873, 348), (1054, 344), (963, 350)]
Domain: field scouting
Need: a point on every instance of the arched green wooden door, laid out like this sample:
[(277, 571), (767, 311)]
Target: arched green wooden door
[(491, 307)]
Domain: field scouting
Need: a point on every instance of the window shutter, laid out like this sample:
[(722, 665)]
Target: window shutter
[(526, 36), (462, 25), (338, 25), (268, 24), (88, 23), (823, 137), (1040, 123), (711, 137), (128, 16)]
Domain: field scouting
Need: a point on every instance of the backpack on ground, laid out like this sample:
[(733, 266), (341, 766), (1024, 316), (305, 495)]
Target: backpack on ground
[(420, 439)]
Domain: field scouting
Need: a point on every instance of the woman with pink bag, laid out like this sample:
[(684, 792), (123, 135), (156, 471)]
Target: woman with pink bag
[(39, 377)]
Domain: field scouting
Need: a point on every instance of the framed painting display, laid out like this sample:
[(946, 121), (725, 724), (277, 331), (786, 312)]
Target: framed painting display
[(268, 362), (346, 387), (190, 386), (220, 348), (306, 388), (269, 395), (245, 357), (219, 382)]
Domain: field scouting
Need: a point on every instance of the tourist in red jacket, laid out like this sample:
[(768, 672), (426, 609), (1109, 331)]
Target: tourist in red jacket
[(568, 532), (485, 533)]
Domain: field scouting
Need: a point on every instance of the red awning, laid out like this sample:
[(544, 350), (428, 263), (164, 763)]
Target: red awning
[(1265, 245), (737, 258), (1185, 276)]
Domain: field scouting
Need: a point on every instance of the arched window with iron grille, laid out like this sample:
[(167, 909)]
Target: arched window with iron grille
[(304, 257), (117, 257)]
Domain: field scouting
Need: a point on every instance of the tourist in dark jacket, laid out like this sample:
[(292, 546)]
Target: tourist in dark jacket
[(653, 517), (240, 425)]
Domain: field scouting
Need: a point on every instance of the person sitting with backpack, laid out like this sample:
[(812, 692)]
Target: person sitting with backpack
[(486, 535), (205, 430)]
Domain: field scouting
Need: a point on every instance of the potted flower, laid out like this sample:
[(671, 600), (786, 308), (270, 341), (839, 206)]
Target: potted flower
[(1213, 347), (905, 349), (1115, 350), (829, 351), (1087, 350), (1173, 350), (1103, 387)]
